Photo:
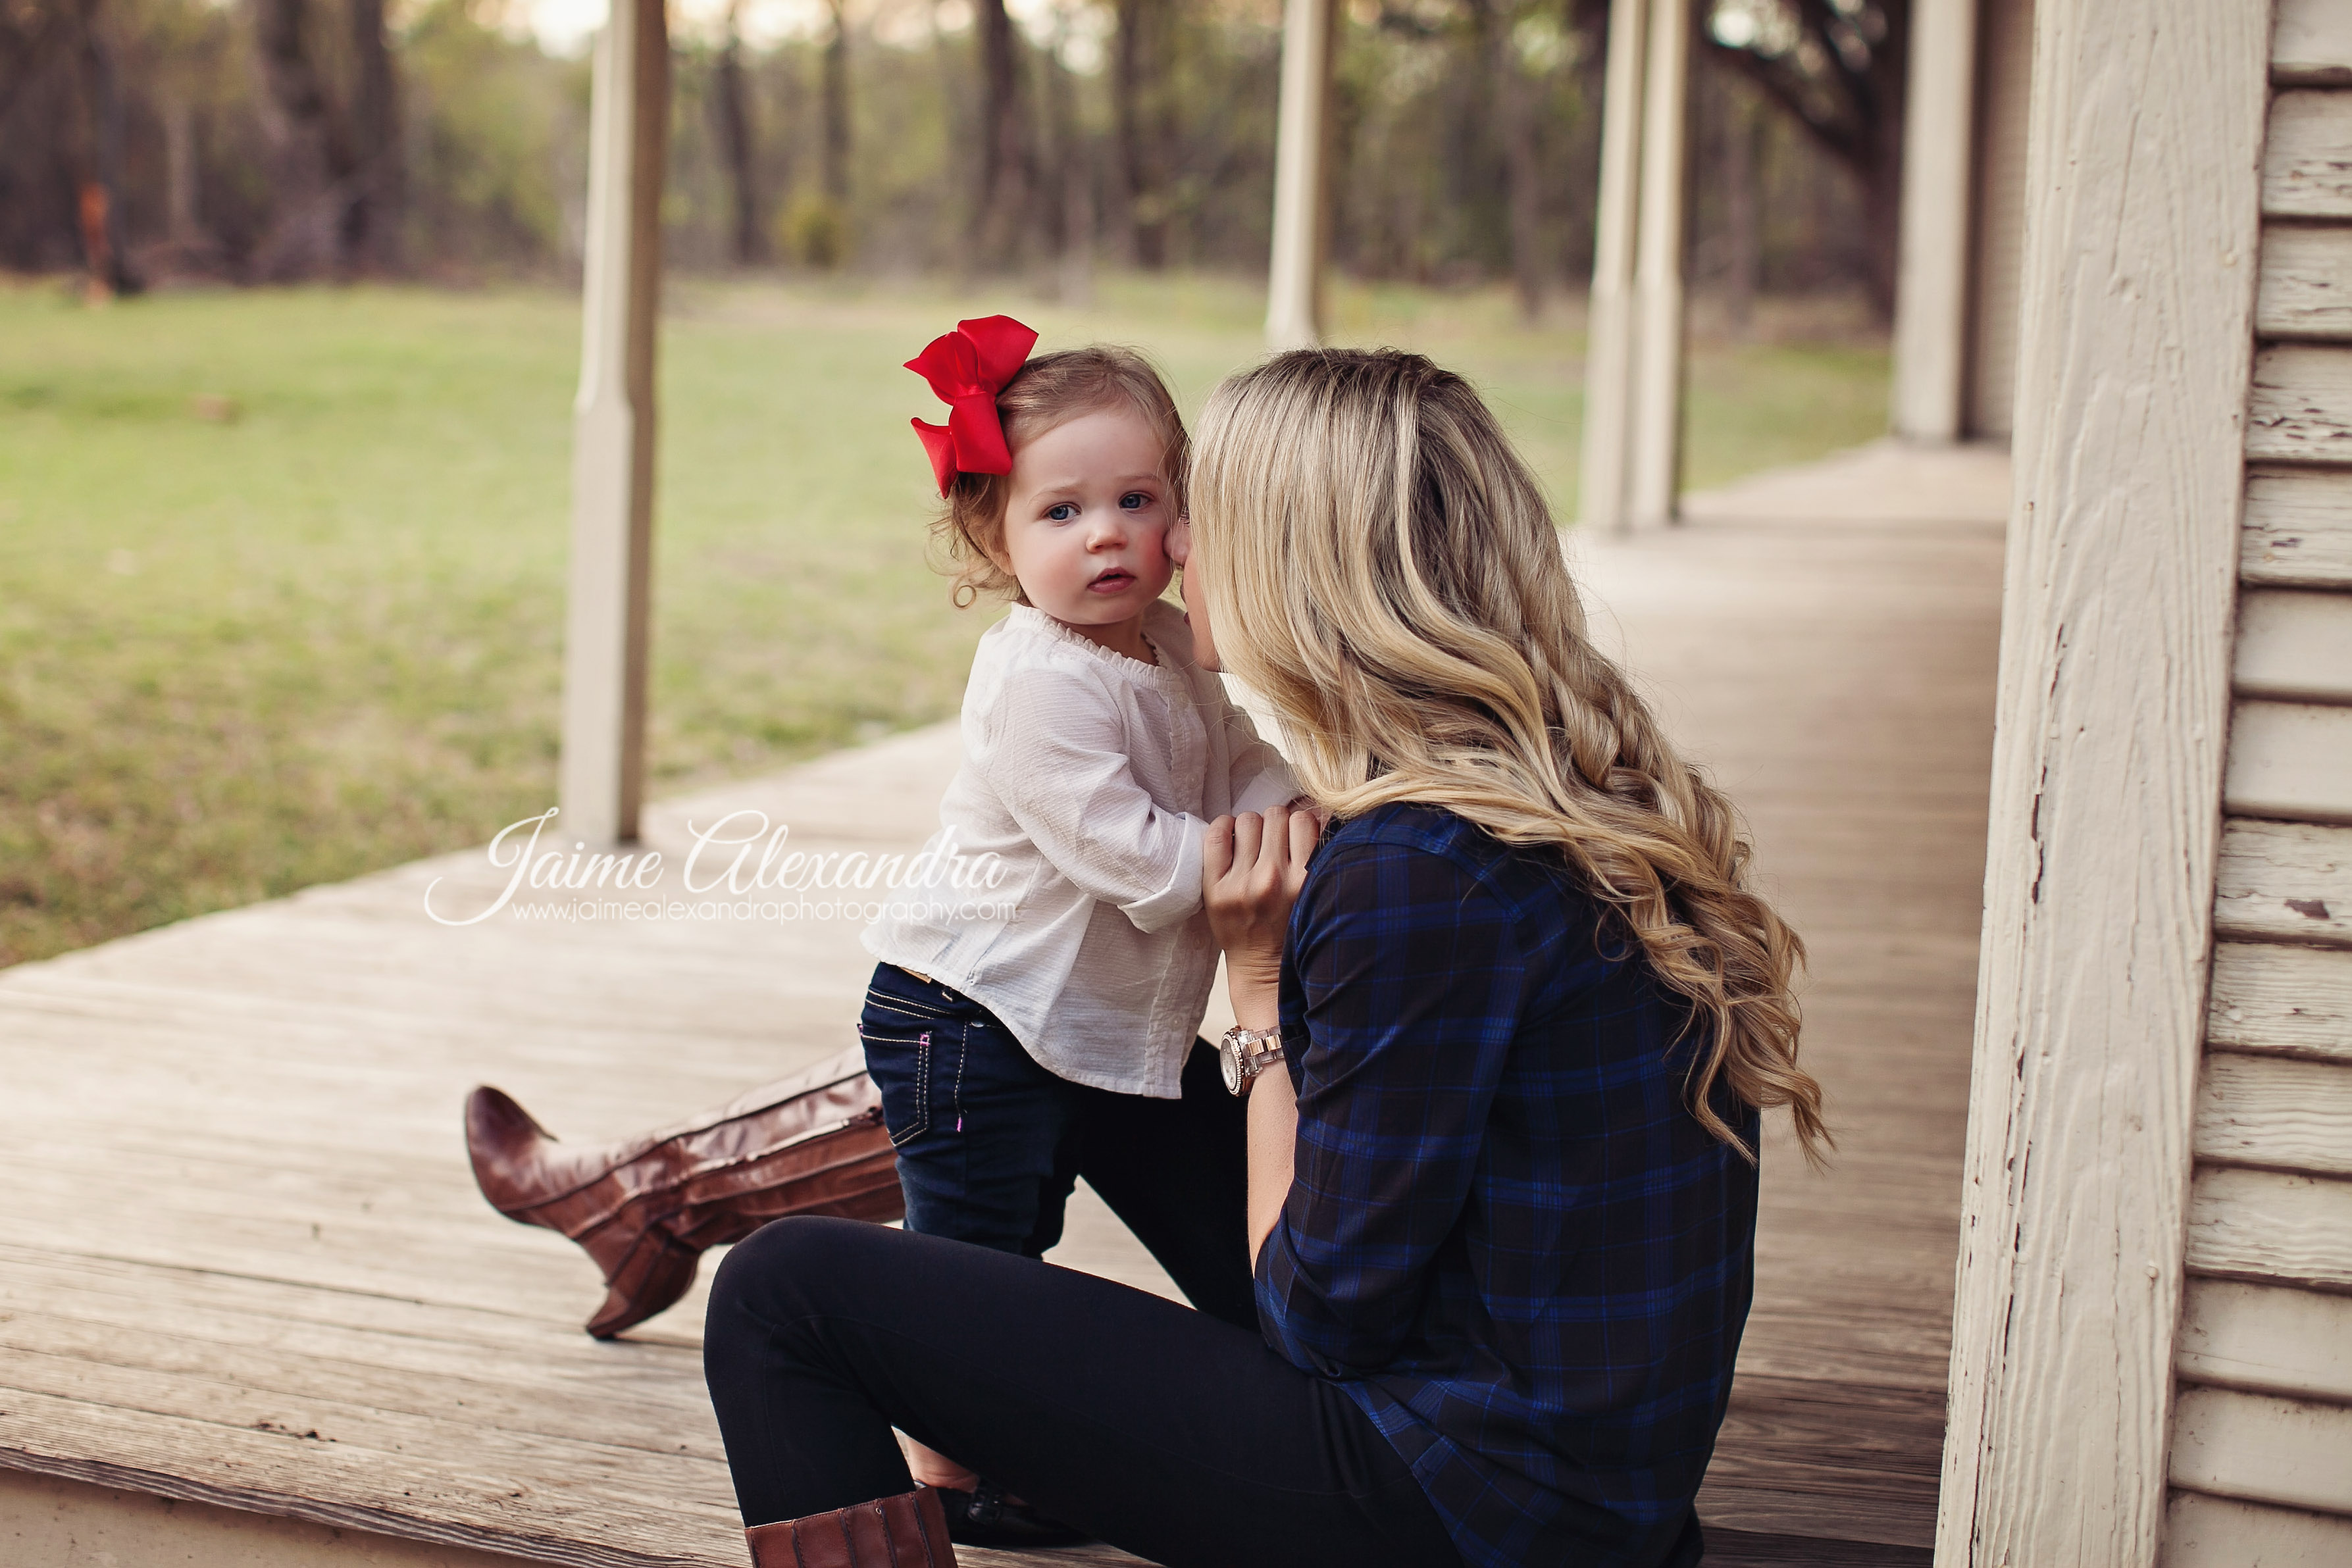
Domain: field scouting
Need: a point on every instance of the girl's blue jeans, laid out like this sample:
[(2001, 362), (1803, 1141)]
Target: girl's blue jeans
[(990, 1145)]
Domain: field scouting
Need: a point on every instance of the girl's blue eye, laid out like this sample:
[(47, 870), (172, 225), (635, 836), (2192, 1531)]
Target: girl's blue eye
[(1060, 512), (1135, 500)]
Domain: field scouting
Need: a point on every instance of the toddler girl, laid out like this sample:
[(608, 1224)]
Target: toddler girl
[(1056, 1038)]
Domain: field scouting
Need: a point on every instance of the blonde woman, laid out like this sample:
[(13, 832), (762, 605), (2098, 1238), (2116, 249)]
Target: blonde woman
[(1506, 1032)]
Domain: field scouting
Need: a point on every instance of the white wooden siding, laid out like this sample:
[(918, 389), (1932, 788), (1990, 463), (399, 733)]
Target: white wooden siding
[(2260, 1446), (2294, 646), (2291, 760), (2275, 1113), (2301, 411), (2311, 42), (2281, 1001), (2285, 881), (2307, 163), (2261, 1438), (2306, 288), (2298, 530), (2267, 1338), (2267, 1225), (2203, 1532)]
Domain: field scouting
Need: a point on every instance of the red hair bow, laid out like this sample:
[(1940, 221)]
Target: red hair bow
[(967, 368)]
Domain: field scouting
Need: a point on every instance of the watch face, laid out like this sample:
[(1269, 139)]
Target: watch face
[(1229, 1063)]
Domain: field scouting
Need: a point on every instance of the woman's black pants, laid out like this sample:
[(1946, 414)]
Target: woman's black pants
[(1158, 1429)]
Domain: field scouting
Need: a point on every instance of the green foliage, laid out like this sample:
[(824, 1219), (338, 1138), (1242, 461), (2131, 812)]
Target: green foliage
[(284, 569), (495, 134), (815, 232)]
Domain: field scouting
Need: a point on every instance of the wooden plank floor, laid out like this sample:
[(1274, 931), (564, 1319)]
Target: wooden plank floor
[(243, 1262)]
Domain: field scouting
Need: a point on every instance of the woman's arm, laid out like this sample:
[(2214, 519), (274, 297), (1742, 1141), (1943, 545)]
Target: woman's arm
[(1272, 1143), (1252, 868)]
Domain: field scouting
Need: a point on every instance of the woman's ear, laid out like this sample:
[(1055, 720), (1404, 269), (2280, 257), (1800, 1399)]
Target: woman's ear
[(1178, 542)]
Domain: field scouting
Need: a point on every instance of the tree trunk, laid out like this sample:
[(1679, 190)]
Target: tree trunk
[(731, 108), (1853, 112), (1069, 193), (183, 225), (1001, 217), (101, 181), (836, 95), (371, 229), (1515, 112), (306, 227), (1137, 69), (1743, 250), (1882, 175)]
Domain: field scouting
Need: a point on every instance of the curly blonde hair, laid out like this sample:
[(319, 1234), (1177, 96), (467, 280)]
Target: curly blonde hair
[(1386, 574), (1050, 391)]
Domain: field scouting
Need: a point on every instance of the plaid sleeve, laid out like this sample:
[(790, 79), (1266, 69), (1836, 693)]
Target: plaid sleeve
[(1407, 986)]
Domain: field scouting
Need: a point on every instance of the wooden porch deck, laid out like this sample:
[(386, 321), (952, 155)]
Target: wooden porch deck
[(244, 1270)]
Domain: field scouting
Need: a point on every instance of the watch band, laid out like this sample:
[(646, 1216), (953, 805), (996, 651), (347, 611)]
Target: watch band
[(1245, 1052)]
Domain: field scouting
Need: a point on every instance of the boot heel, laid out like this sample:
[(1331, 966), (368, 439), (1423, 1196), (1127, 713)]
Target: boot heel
[(909, 1530)]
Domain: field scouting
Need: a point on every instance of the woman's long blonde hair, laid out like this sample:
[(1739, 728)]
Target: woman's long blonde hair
[(1384, 571)]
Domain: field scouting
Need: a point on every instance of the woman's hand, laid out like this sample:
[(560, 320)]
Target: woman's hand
[(1252, 867)]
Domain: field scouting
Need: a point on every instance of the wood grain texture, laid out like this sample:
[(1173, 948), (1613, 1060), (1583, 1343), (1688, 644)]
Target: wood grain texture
[(2300, 410), (2307, 283), (2268, 1339), (2285, 882), (2307, 159), (2108, 766), (2203, 1532), (1786, 1440), (2263, 1448), (2265, 1226), (2298, 529), (49, 1522), (2275, 1113), (2281, 1002), (2289, 761), (2295, 646)]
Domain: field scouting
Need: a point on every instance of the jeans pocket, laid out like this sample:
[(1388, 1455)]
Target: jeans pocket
[(911, 1059), (900, 1063)]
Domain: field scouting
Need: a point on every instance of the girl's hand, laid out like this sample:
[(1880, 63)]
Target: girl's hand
[(1252, 867)]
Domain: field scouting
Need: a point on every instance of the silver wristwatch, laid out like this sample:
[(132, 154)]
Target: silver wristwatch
[(1246, 1053)]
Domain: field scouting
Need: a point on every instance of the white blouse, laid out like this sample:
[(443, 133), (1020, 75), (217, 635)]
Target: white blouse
[(1092, 777)]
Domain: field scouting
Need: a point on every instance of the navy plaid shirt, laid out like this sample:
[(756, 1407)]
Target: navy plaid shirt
[(1509, 1238)]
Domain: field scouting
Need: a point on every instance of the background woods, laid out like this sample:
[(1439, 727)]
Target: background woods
[(274, 139)]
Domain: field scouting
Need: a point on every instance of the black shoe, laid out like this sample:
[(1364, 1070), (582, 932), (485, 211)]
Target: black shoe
[(985, 1516)]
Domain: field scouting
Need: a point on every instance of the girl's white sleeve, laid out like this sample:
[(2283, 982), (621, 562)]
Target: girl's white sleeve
[(1054, 752), (1260, 778)]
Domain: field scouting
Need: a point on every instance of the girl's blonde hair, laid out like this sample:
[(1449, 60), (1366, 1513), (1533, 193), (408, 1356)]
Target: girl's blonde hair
[(1050, 391), (1385, 572)]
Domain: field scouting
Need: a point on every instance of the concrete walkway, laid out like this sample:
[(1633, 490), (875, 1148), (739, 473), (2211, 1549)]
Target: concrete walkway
[(244, 1264)]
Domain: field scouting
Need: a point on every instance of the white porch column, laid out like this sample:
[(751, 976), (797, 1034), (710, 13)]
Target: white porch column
[(603, 769), (2142, 190), (1931, 291), (1608, 321), (1656, 445), (1293, 295)]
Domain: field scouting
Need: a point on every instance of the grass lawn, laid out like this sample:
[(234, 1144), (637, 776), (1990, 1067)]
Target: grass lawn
[(282, 571)]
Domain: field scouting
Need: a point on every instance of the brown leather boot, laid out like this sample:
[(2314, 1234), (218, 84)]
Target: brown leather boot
[(910, 1531), (645, 1209)]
